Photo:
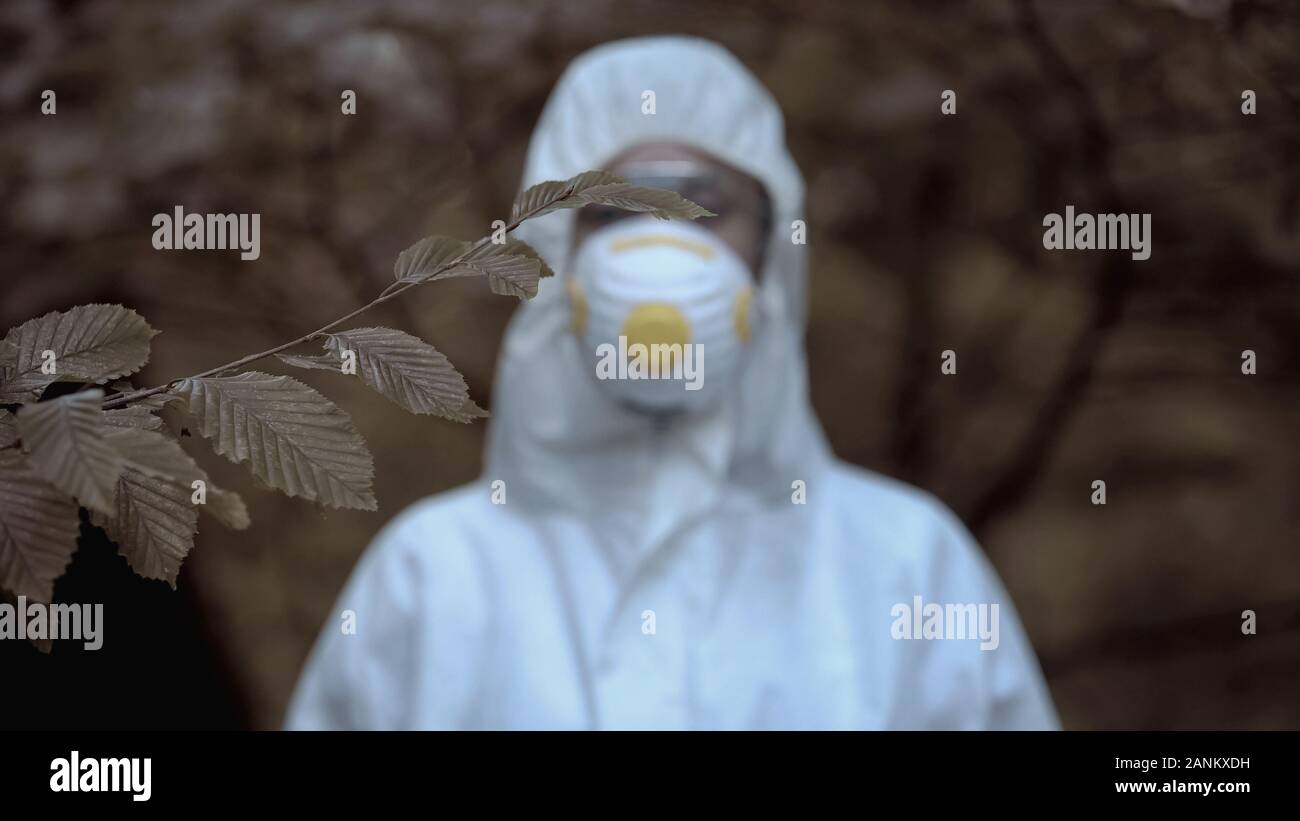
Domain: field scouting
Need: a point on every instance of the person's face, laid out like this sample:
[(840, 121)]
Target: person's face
[(740, 202)]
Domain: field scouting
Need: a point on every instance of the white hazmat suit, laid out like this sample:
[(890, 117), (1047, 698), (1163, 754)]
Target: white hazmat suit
[(723, 571)]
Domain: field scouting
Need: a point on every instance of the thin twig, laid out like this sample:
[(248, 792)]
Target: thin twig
[(392, 291)]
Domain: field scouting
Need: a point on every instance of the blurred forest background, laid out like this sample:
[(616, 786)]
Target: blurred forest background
[(925, 233)]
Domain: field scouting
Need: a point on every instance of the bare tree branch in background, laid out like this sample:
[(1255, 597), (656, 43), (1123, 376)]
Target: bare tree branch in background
[(1111, 290)]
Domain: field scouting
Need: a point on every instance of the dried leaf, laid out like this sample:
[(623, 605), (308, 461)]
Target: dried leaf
[(169, 409), (64, 439), (156, 519), (518, 247), (140, 414), (158, 401), (658, 202), (468, 412), (38, 530), (154, 454), (293, 439), (590, 179), (324, 362), (553, 195), (134, 416), (153, 524), (542, 198), (424, 257), (91, 343), (402, 367), (517, 277), (509, 274), (160, 457)]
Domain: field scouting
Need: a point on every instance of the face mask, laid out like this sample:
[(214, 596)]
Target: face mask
[(662, 311)]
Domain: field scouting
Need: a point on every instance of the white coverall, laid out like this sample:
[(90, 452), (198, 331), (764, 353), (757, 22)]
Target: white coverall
[(642, 577)]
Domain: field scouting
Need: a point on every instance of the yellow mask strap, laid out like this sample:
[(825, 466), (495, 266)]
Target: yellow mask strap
[(700, 249)]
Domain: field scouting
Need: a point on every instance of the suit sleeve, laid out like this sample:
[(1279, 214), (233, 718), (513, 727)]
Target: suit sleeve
[(402, 646)]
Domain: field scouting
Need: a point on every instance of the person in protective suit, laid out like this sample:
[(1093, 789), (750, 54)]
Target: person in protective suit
[(672, 552)]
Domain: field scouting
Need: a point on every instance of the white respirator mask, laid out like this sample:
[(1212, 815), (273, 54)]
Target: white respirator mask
[(662, 312)]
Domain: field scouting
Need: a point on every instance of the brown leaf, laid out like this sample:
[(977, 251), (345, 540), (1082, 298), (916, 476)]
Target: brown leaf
[(38, 530), (293, 439), (91, 343), (64, 440)]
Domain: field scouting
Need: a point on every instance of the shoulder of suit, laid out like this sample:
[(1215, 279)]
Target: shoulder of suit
[(900, 518)]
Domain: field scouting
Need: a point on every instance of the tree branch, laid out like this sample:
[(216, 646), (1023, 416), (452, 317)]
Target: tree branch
[(1113, 287), (394, 290)]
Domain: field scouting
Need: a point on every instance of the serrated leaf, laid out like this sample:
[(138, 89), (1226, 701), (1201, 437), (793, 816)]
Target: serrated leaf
[(64, 440), (157, 401), (518, 247), (402, 367), (542, 198), (148, 412), (553, 195), (468, 412), (508, 274), (324, 362), (423, 258), (162, 458), (293, 439), (8, 429), (38, 530), (514, 276), (168, 408), (152, 453), (133, 416), (658, 202), (589, 179), (91, 343), (153, 524), (511, 262)]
